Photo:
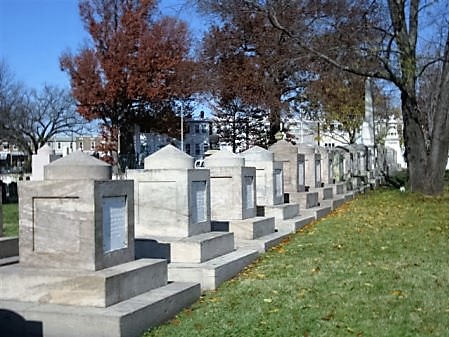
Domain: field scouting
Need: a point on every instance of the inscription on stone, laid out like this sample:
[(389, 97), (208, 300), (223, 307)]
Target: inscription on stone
[(317, 170), (301, 178), (249, 191), (115, 229), (199, 207), (278, 182)]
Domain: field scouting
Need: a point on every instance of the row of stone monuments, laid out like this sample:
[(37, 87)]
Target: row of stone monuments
[(103, 257)]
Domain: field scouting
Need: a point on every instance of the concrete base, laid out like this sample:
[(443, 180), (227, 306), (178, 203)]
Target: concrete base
[(265, 242), (339, 188), (100, 288), (9, 246), (212, 273), (304, 199), (9, 260), (282, 212), (130, 318), (293, 224), (317, 212), (324, 193), (335, 202), (252, 228), (202, 247)]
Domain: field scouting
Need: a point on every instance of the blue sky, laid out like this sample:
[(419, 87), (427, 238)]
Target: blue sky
[(34, 34)]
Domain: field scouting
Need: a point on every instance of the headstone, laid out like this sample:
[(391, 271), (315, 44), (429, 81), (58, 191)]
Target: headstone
[(173, 216), (77, 257), (76, 217), (312, 165), (233, 187), (327, 157), (293, 165), (45, 155), (269, 176), (172, 199)]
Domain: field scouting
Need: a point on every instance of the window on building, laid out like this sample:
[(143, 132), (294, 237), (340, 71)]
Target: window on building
[(92, 145), (197, 149), (188, 148), (204, 128), (5, 147), (59, 145), (80, 145), (197, 128)]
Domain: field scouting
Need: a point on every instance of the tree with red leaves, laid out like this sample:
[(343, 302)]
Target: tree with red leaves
[(132, 68)]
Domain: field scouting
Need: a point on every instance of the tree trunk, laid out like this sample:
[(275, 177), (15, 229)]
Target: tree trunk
[(127, 153), (426, 163)]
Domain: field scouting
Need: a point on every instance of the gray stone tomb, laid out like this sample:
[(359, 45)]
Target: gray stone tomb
[(173, 210), (77, 257), (270, 191), (233, 201)]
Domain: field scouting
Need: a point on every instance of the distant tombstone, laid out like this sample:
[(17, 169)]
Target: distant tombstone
[(77, 217), (327, 157), (233, 187), (171, 197), (293, 165), (269, 176), (312, 165), (45, 155), (13, 193)]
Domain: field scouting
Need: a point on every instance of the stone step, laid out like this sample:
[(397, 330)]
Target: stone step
[(130, 318), (252, 228), (324, 192), (283, 211), (334, 203), (9, 246), (212, 273), (293, 224), (202, 247), (317, 212), (262, 244), (9, 260), (100, 288), (304, 199), (339, 188)]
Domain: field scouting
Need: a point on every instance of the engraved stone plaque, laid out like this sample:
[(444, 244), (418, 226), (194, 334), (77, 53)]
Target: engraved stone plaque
[(248, 200), (115, 227), (278, 183), (301, 178), (317, 171), (199, 206)]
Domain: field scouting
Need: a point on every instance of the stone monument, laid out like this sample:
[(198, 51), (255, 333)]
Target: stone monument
[(295, 187), (173, 210), (45, 155), (270, 190), (77, 273), (233, 201)]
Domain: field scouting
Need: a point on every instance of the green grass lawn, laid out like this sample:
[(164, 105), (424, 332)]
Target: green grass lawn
[(379, 266), (10, 220)]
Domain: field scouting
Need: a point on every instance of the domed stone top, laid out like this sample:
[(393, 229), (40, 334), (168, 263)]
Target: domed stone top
[(224, 158), (257, 153), (45, 150), (78, 166), (169, 157)]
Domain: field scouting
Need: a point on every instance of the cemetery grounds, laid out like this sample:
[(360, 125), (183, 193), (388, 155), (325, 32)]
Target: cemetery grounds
[(378, 266)]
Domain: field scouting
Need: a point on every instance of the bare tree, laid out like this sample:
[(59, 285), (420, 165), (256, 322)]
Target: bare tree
[(380, 39), (29, 119)]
